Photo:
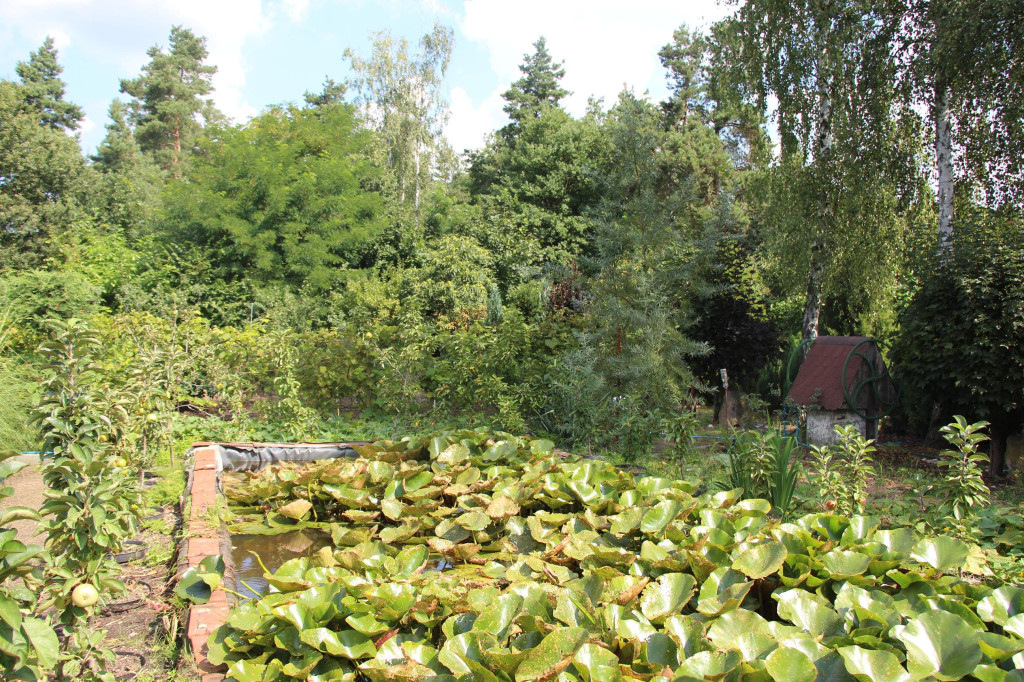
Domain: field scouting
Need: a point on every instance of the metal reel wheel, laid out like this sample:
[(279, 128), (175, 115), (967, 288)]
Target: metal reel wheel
[(870, 383)]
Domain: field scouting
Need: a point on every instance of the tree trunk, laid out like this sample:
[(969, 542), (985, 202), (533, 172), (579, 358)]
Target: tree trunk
[(822, 152), (812, 305), (944, 164)]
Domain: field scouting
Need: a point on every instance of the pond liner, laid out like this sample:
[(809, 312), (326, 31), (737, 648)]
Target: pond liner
[(257, 456)]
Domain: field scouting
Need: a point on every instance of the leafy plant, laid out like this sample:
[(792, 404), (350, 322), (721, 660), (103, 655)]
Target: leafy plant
[(679, 429), (91, 503), (842, 471), (962, 489), (765, 465), (28, 644)]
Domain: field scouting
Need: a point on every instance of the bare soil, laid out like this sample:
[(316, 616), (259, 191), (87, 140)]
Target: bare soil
[(28, 492)]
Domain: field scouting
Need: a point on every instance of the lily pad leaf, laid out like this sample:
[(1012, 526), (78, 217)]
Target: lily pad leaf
[(347, 643), (295, 510), (198, 583), (940, 644), (1003, 604), (553, 655), (809, 611), (667, 596), (941, 553), (875, 665), (761, 560), (790, 665)]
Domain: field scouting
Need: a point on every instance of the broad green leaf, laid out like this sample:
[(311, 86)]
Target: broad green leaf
[(808, 610), (296, 510), (710, 665), (940, 644), (498, 617), (667, 596), (724, 590), (873, 665), (660, 515), (761, 560), (553, 655), (347, 643), (941, 552), (1004, 603), (790, 665)]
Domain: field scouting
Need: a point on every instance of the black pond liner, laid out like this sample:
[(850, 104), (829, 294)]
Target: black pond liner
[(134, 654), (156, 513), (128, 604), (126, 555), (257, 456), (253, 457)]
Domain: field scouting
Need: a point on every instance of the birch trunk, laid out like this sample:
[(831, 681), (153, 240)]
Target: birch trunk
[(944, 163), (822, 152)]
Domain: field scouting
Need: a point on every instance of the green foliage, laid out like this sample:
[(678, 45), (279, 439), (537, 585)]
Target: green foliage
[(454, 277), (44, 89), (644, 269), (486, 556), (280, 199), (41, 171), (402, 99), (535, 192), (28, 644), (538, 88), (961, 343), (32, 297), (765, 465), (841, 471), (167, 99), (91, 505), (962, 490)]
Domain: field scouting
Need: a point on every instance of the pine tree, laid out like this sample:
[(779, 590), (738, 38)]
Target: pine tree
[(168, 97), (44, 90), (118, 151), (540, 85)]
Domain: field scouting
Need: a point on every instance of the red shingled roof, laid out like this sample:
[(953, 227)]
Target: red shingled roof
[(819, 381)]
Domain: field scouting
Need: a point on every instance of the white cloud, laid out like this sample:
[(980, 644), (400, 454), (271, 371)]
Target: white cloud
[(296, 10), (120, 31), (470, 124), (605, 44)]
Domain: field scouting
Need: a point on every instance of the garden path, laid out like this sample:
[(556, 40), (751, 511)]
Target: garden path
[(28, 492)]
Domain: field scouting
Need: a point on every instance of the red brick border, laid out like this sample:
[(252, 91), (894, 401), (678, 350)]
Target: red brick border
[(202, 540)]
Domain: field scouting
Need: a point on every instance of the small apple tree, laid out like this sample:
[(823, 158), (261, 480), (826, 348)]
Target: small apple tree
[(91, 503)]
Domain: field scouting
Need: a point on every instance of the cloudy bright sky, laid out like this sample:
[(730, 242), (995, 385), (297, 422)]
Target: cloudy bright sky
[(272, 51)]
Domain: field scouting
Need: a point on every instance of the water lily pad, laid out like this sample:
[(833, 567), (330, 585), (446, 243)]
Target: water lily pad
[(295, 510), (1003, 604), (873, 665), (667, 596), (790, 665), (940, 644), (807, 610), (941, 552), (554, 654), (761, 560)]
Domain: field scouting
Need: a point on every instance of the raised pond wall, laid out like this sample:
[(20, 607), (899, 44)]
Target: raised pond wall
[(204, 534)]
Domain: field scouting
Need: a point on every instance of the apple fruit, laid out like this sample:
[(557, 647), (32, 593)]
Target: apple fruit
[(84, 595)]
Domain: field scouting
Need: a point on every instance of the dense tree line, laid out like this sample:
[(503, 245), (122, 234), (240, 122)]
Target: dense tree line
[(575, 274)]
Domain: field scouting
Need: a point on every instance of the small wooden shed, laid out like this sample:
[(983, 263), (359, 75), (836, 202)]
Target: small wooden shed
[(839, 370)]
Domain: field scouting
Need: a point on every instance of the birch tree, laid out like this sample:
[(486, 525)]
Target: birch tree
[(848, 134), (402, 97)]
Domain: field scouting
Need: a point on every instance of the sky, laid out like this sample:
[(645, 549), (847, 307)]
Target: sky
[(272, 51)]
